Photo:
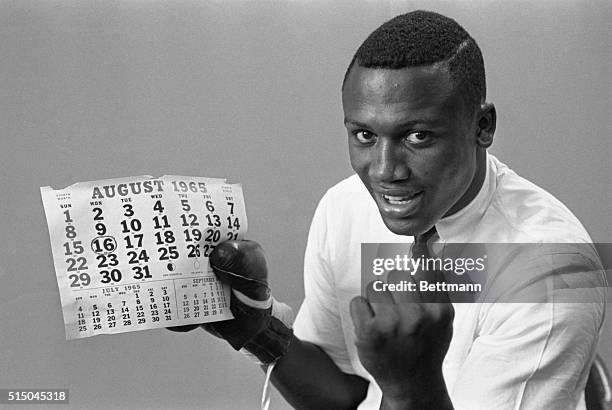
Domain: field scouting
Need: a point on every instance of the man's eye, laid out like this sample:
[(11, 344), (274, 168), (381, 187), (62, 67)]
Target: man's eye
[(364, 137), (418, 137)]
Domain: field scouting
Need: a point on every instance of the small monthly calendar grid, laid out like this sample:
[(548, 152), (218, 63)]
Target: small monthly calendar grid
[(132, 253)]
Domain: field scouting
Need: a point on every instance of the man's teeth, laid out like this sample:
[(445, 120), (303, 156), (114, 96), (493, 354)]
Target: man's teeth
[(398, 200)]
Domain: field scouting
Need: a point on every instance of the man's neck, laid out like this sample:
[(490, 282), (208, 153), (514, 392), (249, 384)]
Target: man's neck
[(475, 185)]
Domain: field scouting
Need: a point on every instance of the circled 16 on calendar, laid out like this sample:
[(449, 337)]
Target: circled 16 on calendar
[(103, 244)]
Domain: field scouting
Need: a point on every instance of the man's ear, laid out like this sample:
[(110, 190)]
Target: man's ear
[(487, 120)]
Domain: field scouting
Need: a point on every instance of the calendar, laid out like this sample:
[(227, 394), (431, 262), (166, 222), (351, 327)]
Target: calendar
[(132, 253)]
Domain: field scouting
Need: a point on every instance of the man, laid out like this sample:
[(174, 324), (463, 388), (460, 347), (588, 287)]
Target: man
[(418, 129)]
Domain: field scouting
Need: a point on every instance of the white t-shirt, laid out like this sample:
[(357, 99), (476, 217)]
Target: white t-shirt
[(502, 356)]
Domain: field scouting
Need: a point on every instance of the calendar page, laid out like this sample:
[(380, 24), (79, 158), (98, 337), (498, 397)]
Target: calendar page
[(132, 253)]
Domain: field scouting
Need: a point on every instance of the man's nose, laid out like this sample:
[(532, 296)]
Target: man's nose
[(388, 162)]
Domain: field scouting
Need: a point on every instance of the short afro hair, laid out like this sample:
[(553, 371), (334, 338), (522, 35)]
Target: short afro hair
[(422, 38)]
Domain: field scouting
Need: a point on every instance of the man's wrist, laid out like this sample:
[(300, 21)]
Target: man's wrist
[(423, 394), (272, 343), (274, 334), (428, 401)]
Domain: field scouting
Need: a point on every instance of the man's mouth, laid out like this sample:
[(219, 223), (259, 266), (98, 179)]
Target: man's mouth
[(400, 200), (399, 204)]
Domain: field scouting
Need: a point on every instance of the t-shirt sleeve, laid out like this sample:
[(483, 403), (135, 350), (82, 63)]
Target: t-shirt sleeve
[(318, 320)]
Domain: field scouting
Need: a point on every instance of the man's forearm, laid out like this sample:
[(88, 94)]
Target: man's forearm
[(308, 379)]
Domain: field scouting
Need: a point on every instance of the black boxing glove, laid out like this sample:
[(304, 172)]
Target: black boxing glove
[(261, 325)]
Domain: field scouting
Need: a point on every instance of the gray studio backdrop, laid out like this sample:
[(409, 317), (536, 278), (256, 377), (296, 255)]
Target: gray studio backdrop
[(248, 90)]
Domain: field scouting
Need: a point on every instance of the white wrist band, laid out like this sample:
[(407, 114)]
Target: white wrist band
[(257, 304)]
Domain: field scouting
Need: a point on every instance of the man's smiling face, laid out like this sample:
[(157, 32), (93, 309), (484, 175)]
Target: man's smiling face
[(413, 143)]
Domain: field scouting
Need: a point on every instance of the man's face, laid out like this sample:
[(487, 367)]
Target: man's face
[(412, 142)]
